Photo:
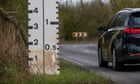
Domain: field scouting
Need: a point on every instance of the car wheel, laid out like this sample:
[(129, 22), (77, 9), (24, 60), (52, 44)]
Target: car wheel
[(101, 61), (115, 64)]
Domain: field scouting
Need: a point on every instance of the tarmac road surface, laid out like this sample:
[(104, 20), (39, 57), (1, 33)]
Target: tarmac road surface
[(85, 55)]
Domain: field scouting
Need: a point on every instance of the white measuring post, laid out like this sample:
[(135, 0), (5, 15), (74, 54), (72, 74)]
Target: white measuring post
[(42, 30)]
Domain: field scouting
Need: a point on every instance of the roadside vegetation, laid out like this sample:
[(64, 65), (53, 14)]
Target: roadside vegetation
[(70, 74), (13, 49), (88, 17)]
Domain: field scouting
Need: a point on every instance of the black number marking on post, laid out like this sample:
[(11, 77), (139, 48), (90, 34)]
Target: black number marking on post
[(50, 47), (35, 41), (47, 47), (35, 25), (35, 10)]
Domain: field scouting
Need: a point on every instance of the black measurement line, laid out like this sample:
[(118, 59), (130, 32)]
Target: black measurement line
[(57, 2), (29, 51), (29, 19), (57, 7), (30, 11), (29, 3), (43, 37), (54, 22), (29, 35), (57, 48), (30, 27), (30, 43), (30, 59)]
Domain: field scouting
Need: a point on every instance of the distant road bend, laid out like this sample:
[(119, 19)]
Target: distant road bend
[(85, 55)]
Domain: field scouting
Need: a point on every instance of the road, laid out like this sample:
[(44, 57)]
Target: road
[(85, 55)]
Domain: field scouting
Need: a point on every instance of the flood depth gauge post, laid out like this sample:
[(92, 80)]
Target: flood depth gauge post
[(43, 33)]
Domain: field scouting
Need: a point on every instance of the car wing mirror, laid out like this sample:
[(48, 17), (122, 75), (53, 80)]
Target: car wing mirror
[(102, 29)]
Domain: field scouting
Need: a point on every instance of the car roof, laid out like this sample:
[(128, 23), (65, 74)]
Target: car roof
[(129, 10)]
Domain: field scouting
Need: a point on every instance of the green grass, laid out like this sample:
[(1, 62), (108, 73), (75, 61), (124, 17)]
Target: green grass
[(70, 74)]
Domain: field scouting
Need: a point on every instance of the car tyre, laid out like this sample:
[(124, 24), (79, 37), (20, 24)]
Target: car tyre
[(115, 64), (101, 61)]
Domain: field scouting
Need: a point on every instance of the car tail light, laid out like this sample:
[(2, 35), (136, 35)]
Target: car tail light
[(135, 55), (132, 30)]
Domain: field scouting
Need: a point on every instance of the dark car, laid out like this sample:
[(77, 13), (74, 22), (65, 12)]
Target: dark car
[(120, 41)]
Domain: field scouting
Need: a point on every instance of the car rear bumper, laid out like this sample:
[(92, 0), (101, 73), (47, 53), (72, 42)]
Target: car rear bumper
[(129, 56), (132, 59)]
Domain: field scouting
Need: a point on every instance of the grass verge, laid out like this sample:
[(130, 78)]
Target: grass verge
[(70, 74)]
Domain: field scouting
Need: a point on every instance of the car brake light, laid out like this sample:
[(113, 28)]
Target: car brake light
[(132, 30), (135, 55)]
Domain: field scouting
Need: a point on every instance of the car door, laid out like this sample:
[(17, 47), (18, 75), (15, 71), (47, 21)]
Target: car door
[(108, 36), (113, 32)]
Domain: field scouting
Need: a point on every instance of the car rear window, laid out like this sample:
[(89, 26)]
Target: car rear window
[(134, 20)]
